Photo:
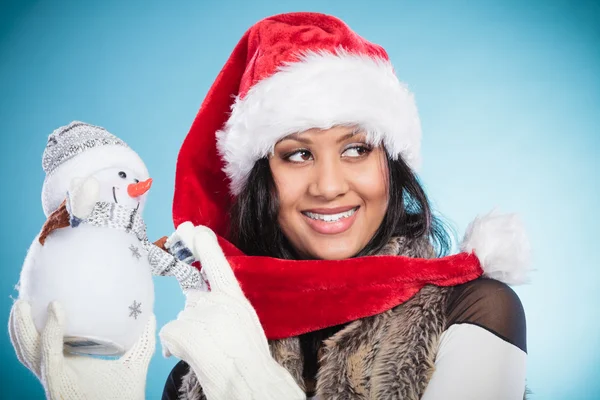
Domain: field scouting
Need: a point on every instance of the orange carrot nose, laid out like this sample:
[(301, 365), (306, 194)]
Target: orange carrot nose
[(138, 189)]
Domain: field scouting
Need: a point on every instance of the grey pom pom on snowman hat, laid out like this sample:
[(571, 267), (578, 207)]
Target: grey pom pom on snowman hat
[(78, 150)]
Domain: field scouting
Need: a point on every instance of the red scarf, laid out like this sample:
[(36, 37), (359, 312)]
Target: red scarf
[(293, 297)]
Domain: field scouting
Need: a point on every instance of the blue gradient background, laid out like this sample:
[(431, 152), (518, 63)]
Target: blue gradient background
[(509, 95)]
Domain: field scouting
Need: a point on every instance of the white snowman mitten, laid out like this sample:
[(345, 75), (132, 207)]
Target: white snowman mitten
[(72, 377), (219, 335), (82, 196)]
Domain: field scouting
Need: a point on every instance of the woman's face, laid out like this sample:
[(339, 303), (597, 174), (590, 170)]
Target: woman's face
[(332, 190)]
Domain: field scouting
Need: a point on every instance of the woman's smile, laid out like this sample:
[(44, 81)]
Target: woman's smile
[(331, 221)]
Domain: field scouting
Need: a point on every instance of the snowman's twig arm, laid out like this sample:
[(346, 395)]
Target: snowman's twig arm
[(60, 218)]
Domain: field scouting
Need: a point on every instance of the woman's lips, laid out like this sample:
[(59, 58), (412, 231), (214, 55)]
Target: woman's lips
[(333, 227)]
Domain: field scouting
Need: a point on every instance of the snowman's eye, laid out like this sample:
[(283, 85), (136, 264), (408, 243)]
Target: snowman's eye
[(122, 174), (136, 180)]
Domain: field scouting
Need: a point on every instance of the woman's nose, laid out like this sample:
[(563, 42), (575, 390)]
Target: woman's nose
[(328, 180)]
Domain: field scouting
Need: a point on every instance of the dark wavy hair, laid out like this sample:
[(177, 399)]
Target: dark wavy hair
[(254, 228)]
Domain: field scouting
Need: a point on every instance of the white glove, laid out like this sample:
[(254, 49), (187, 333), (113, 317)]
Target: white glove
[(83, 195), (219, 335), (68, 377)]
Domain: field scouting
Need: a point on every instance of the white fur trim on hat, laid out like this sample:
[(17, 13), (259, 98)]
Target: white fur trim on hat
[(321, 90), (83, 165)]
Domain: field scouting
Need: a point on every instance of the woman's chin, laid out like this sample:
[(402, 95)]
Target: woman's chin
[(333, 251)]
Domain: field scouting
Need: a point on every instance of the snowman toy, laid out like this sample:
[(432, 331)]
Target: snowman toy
[(92, 255)]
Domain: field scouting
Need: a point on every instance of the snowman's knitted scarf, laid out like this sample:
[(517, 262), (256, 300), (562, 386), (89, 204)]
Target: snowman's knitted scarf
[(129, 220), (116, 216)]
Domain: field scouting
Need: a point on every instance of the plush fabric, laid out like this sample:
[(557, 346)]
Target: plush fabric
[(321, 295)]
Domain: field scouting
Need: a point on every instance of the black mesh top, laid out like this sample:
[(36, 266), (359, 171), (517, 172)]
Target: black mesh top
[(491, 305)]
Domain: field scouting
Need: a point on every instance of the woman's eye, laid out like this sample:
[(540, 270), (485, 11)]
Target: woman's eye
[(122, 174), (299, 156), (356, 151)]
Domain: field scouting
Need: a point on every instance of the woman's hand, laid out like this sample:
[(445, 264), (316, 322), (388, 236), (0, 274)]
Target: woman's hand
[(219, 335), (68, 377)]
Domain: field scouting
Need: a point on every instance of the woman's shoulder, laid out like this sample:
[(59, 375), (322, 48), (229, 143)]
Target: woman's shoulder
[(491, 305)]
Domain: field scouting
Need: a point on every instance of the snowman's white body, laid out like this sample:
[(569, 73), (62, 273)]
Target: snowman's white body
[(106, 289), (100, 275)]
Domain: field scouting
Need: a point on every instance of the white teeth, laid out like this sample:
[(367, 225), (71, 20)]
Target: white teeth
[(330, 217)]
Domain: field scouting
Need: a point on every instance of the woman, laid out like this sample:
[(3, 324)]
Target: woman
[(319, 152), (305, 150)]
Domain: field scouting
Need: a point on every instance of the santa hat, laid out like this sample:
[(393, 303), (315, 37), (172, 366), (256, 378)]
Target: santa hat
[(300, 71), (77, 150)]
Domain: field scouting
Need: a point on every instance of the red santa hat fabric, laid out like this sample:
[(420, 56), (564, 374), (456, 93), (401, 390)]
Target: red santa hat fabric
[(288, 73)]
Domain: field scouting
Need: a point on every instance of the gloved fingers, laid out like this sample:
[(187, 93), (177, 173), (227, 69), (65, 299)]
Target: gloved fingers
[(185, 232), (193, 299), (195, 344), (24, 335), (181, 339), (202, 307), (169, 341), (214, 264), (144, 347), (13, 337), (53, 341), (166, 347), (165, 351)]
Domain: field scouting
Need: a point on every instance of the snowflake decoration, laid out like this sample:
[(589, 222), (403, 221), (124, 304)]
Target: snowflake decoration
[(135, 309), (135, 252)]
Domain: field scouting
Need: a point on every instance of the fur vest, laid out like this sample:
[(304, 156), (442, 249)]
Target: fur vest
[(387, 356)]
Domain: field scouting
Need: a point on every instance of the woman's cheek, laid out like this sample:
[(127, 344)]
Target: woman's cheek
[(291, 183), (370, 181)]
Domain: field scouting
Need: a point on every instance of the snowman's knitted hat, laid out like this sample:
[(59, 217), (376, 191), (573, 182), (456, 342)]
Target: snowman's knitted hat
[(78, 150)]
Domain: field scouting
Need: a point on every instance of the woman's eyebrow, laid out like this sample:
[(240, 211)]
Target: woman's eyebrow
[(354, 132), (305, 140), (345, 137), (297, 138)]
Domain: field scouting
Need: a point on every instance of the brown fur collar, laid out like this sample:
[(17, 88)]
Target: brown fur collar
[(387, 356)]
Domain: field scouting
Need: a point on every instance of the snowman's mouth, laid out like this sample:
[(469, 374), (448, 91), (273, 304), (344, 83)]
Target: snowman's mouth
[(114, 195)]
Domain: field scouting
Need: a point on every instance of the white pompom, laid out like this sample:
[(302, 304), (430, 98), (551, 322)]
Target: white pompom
[(501, 245)]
